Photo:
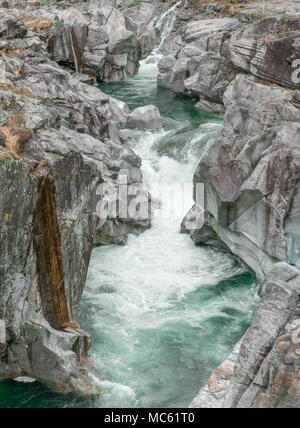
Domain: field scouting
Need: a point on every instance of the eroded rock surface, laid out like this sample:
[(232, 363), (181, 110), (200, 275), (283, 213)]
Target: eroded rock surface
[(59, 140), (147, 117), (105, 39), (198, 64), (252, 183), (203, 53), (251, 201)]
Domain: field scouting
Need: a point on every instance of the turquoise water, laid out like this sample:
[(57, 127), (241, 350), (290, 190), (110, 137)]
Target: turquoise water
[(142, 90), (162, 312)]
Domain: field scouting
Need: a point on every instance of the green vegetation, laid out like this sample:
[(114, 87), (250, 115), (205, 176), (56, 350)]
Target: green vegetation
[(135, 3)]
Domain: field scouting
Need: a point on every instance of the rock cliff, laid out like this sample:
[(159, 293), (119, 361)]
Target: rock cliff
[(245, 64), (105, 39), (59, 140)]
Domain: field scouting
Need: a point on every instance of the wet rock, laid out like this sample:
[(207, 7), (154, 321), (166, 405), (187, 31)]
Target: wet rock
[(172, 144), (139, 20), (244, 187), (252, 208), (266, 364), (251, 200), (172, 74), (275, 310)]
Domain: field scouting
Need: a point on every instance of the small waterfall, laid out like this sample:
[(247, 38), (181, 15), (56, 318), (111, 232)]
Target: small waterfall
[(166, 23), (76, 62)]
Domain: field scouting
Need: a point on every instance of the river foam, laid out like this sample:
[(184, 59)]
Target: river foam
[(164, 313)]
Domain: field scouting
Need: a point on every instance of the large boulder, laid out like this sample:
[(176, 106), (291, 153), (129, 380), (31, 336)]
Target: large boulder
[(147, 117), (11, 27), (197, 60)]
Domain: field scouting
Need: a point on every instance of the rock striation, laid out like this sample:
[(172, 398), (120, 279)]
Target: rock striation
[(203, 53), (197, 61), (104, 39), (252, 186), (59, 141)]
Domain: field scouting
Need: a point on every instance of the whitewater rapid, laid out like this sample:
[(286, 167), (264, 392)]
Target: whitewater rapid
[(164, 313)]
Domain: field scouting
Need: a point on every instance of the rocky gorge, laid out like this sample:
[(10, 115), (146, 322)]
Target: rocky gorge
[(61, 137)]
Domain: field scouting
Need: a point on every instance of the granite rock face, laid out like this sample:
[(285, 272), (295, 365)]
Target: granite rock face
[(203, 53), (251, 174), (268, 48), (266, 371), (252, 182), (104, 39), (197, 61), (251, 202), (59, 144)]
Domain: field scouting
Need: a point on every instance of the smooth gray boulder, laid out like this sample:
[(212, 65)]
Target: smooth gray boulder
[(139, 20), (147, 117), (2, 332), (11, 27), (262, 371), (206, 105)]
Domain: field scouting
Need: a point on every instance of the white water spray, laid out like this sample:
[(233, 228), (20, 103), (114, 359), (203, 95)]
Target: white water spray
[(166, 23), (160, 320)]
